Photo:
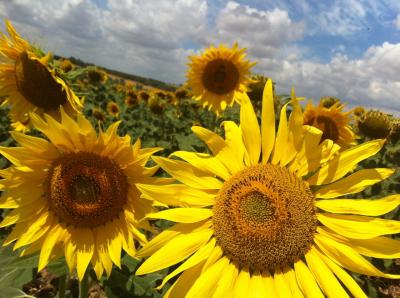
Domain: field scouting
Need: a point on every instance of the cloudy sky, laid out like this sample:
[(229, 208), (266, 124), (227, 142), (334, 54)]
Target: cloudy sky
[(346, 48)]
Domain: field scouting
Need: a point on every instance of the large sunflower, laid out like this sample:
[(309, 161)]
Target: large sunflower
[(218, 76), (264, 215), (75, 195), (28, 82), (332, 121)]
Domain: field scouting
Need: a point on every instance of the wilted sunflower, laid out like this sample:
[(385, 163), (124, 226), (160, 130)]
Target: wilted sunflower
[(332, 121), (113, 108), (75, 194), (218, 76), (264, 215), (374, 124), (29, 84)]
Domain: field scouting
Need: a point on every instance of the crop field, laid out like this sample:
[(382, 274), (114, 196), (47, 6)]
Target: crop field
[(129, 194)]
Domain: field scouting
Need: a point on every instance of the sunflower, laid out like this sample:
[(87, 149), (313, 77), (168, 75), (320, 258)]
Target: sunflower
[(263, 215), (75, 194), (113, 108), (374, 124), (98, 114), (332, 121), (28, 82), (218, 76), (96, 76), (66, 65)]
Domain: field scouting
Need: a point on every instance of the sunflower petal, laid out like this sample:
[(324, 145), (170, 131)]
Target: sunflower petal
[(183, 215), (188, 174), (374, 207), (214, 142), (324, 276), (178, 249), (84, 241), (348, 258), (282, 138), (49, 242), (226, 282), (306, 281), (341, 164), (359, 227), (242, 283), (267, 122), (354, 183), (199, 256), (250, 130), (281, 284)]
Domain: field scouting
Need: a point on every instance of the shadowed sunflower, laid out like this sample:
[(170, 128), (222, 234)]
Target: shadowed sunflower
[(113, 108), (75, 194), (28, 82), (264, 214), (218, 76), (332, 121)]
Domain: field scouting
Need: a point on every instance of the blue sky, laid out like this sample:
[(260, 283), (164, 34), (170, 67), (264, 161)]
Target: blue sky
[(348, 48)]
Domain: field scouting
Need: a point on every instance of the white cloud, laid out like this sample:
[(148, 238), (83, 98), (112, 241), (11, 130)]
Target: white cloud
[(397, 22)]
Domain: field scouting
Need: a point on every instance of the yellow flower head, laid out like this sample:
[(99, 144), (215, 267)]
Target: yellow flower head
[(332, 121), (265, 212), (74, 195), (29, 84), (97, 76), (143, 95), (113, 108), (218, 76), (66, 65)]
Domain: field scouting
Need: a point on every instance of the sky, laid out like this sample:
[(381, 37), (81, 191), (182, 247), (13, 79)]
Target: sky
[(348, 49)]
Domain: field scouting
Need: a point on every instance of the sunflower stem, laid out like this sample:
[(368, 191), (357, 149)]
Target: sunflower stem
[(84, 286), (62, 286)]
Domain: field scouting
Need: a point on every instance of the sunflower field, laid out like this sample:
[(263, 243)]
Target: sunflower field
[(216, 188)]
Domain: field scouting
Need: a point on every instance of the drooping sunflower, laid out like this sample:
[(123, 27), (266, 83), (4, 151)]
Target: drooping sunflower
[(332, 121), (113, 108), (218, 76), (29, 84), (75, 194), (264, 214)]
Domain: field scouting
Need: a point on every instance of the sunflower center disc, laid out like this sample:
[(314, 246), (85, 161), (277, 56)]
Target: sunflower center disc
[(85, 189), (265, 217), (37, 85), (220, 76), (327, 126)]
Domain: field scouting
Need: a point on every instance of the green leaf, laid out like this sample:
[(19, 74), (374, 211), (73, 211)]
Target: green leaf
[(13, 293)]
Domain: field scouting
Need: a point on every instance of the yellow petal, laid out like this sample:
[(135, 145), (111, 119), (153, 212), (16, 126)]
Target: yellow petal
[(227, 281), (177, 249), (183, 215), (359, 227), (378, 247), (185, 281), (296, 122), (344, 277), (324, 276), (199, 256), (206, 283), (204, 162), (290, 277), (354, 183), (112, 235), (36, 144), (188, 174), (84, 242), (69, 252), (250, 130), (176, 195), (282, 286), (213, 140), (306, 281), (48, 244), (374, 207), (267, 122), (241, 287), (282, 138), (161, 239), (341, 164), (233, 154), (348, 258)]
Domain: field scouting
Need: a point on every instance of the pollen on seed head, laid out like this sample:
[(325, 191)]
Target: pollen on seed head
[(264, 217), (85, 189)]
